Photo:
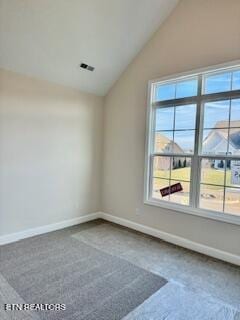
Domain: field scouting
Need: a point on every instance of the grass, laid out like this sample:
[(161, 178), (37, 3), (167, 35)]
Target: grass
[(181, 174), (209, 176)]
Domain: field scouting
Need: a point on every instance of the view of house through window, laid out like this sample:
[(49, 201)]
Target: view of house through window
[(195, 141)]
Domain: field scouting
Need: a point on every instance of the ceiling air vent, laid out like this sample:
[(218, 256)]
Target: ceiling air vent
[(86, 66)]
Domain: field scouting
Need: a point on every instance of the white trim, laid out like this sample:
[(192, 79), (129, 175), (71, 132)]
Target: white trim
[(219, 254), (219, 216), (147, 144), (215, 253), (178, 208), (12, 237)]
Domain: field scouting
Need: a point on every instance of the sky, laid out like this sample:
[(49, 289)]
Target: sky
[(213, 83), (185, 115)]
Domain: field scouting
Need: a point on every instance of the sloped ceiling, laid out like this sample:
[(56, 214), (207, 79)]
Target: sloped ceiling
[(48, 39)]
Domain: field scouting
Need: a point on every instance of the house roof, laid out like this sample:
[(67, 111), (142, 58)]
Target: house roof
[(163, 143), (235, 139), (224, 124), (221, 128)]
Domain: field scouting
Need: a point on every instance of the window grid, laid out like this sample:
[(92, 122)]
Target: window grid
[(196, 158)]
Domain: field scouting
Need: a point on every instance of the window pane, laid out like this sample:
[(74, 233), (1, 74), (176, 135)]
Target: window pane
[(181, 197), (158, 184), (216, 114), (211, 197), (236, 80), (185, 117), (187, 88), (163, 141), (184, 141), (215, 141), (232, 201), (164, 118), (217, 82), (174, 134), (165, 91), (161, 167), (235, 113), (181, 169), (233, 173), (212, 171)]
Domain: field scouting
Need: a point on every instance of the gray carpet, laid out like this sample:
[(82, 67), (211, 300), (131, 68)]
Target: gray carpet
[(197, 272), (93, 284), (181, 298), (100, 286)]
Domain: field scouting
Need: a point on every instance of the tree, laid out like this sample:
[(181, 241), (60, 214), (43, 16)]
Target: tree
[(179, 163), (185, 163), (174, 164), (221, 164)]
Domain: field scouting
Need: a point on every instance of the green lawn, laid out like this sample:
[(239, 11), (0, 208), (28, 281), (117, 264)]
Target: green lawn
[(181, 174), (211, 195), (210, 175)]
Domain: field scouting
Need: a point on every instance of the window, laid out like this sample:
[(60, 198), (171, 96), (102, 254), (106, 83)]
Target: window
[(194, 140)]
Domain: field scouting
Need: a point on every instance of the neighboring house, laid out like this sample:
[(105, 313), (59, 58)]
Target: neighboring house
[(165, 145), (217, 141)]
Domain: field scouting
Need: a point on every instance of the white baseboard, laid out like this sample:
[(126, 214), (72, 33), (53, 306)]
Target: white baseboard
[(215, 253), (47, 228)]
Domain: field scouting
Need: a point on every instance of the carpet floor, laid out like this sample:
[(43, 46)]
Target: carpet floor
[(102, 271), (91, 283)]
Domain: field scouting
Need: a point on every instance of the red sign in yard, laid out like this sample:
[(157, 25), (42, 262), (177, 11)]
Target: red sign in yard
[(172, 189)]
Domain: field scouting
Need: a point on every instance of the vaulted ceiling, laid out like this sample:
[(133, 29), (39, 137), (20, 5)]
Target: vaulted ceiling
[(48, 39)]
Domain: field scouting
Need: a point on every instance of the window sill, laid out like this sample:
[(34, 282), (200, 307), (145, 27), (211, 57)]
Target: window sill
[(229, 218)]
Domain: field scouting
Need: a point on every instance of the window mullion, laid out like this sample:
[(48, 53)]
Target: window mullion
[(228, 136), (224, 186), (195, 172)]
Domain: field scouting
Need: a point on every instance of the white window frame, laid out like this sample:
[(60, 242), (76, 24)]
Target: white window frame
[(191, 209)]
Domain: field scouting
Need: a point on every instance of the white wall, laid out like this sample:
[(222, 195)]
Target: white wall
[(198, 33), (51, 136), (50, 153)]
